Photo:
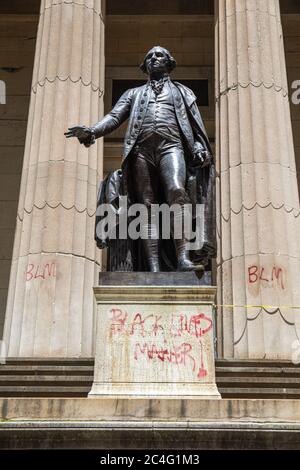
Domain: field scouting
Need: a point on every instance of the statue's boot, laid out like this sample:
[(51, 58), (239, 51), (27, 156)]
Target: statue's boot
[(183, 261), (151, 248)]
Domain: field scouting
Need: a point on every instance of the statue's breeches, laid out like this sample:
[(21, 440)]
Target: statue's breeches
[(158, 165)]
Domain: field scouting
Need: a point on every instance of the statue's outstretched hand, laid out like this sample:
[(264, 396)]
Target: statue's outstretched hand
[(84, 134)]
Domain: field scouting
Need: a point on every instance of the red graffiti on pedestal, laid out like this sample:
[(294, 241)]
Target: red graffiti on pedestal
[(139, 325), (156, 347), (195, 325), (173, 354)]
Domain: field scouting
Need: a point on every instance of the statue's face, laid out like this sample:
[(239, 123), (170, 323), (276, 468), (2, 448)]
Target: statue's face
[(156, 61)]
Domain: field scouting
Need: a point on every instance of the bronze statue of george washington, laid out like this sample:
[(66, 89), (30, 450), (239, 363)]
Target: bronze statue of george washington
[(167, 158)]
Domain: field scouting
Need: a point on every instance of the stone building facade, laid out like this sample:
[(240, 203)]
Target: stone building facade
[(62, 63)]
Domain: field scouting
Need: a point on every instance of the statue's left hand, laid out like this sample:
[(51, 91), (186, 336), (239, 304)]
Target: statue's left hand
[(201, 158)]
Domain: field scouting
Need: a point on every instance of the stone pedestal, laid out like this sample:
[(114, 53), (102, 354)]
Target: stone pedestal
[(147, 278), (154, 341)]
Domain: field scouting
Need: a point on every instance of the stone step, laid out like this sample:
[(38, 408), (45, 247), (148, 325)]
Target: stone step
[(254, 371), (8, 369), (255, 363), (29, 377), (50, 362), (79, 375), (70, 380), (259, 392), (90, 362), (258, 381), (226, 392), (45, 391), (56, 380)]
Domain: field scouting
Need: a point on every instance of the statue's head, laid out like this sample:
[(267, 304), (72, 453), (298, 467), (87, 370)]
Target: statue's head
[(158, 59)]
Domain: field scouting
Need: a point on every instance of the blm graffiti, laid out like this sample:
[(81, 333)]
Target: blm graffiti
[(175, 343), (272, 276), (40, 271)]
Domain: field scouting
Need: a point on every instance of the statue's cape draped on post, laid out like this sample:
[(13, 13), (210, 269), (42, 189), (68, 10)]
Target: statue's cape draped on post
[(200, 183)]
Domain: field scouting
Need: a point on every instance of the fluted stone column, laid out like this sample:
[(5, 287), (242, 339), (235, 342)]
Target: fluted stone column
[(50, 310), (258, 219)]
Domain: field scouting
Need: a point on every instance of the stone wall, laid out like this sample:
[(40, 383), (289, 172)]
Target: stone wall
[(167, 7)]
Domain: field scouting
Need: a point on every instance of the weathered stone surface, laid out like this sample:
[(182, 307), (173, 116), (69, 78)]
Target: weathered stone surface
[(161, 436), (55, 261), (154, 341), (60, 377), (259, 213), (154, 279), (134, 409)]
